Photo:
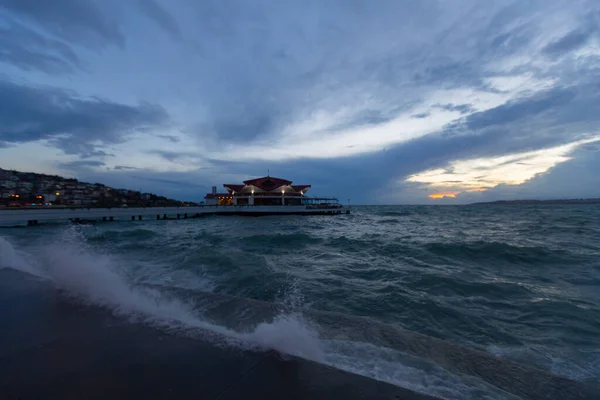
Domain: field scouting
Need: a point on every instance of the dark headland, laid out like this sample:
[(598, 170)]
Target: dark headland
[(528, 202)]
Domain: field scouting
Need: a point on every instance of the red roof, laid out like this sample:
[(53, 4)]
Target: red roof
[(299, 188), (235, 188), (268, 183)]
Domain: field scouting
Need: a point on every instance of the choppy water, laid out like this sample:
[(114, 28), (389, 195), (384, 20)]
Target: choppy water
[(518, 282)]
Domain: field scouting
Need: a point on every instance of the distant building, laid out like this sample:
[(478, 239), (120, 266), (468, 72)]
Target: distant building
[(50, 198), (267, 190)]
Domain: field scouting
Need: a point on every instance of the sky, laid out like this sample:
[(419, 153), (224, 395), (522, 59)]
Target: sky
[(386, 102)]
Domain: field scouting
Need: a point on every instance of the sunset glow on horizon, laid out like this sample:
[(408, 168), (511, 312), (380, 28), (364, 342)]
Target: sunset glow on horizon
[(442, 195), (481, 174)]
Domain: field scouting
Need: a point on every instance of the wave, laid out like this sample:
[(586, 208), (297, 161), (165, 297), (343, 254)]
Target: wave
[(494, 251), (294, 240), (354, 344), (97, 279), (389, 221), (126, 234), (437, 284), (394, 213)]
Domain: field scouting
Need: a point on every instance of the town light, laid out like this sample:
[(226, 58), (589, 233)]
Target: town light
[(58, 194)]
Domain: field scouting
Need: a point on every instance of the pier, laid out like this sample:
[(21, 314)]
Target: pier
[(35, 216)]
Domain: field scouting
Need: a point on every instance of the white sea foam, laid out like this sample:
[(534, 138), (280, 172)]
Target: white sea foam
[(97, 278), (399, 368), (10, 257)]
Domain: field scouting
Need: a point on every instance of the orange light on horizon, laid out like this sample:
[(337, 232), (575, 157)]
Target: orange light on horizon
[(442, 195), (477, 190)]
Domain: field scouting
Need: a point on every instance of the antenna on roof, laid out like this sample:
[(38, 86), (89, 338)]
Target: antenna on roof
[(268, 172)]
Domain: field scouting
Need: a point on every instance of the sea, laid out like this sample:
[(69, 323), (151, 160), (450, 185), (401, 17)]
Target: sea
[(389, 292)]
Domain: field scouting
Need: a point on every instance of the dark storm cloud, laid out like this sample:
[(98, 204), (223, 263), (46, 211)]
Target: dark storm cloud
[(162, 181), (170, 138), (42, 34), (170, 155), (367, 117), (276, 69), (522, 108), (27, 49), (461, 108), (160, 16), (127, 168), (549, 118), (84, 150), (242, 126), (81, 164), (29, 113), (84, 22), (571, 41)]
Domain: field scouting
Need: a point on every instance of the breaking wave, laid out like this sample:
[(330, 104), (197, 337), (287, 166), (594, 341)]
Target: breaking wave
[(84, 274)]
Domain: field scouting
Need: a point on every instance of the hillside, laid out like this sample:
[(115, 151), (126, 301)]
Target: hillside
[(28, 188)]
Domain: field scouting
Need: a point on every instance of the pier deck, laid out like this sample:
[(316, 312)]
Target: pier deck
[(32, 216)]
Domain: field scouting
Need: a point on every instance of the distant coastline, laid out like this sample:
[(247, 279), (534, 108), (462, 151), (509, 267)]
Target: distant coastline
[(526, 202), (29, 189)]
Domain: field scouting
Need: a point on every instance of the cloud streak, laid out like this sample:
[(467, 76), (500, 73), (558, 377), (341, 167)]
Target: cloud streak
[(74, 124), (484, 173)]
